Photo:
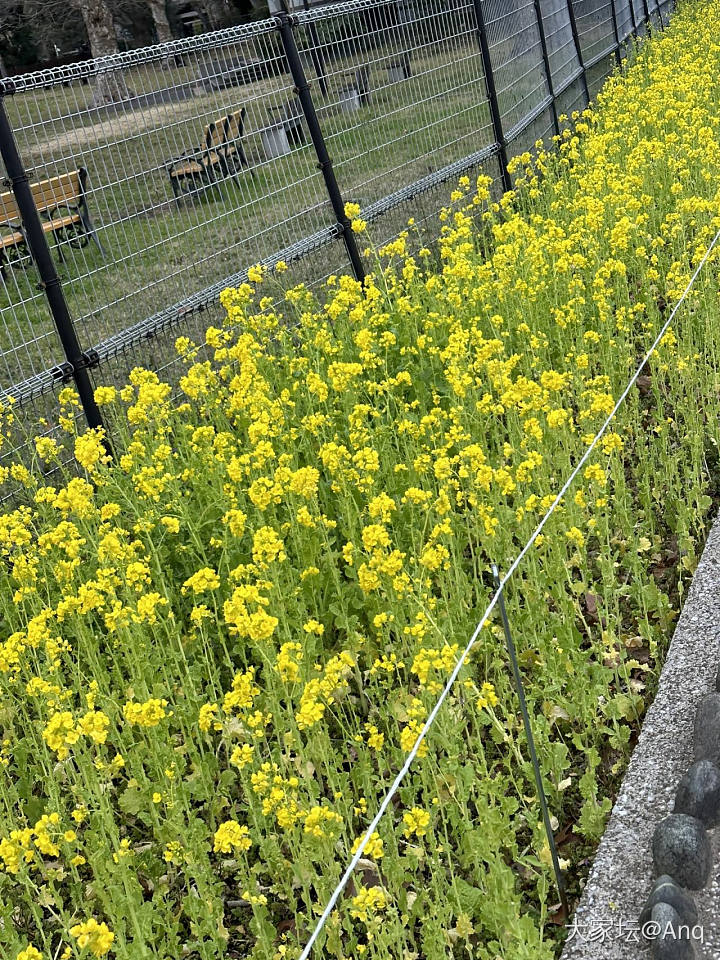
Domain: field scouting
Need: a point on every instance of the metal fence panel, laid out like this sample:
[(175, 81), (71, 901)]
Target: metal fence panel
[(161, 175), (595, 26), (29, 343), (624, 17), (186, 174), (405, 92), (564, 61), (517, 60), (640, 10)]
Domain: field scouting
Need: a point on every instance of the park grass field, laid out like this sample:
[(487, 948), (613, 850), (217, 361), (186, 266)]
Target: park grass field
[(218, 649), (160, 249)]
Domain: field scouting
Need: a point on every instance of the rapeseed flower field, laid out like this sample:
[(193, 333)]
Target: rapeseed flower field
[(217, 650)]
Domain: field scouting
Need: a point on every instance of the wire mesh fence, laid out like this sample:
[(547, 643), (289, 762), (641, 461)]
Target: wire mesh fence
[(161, 175)]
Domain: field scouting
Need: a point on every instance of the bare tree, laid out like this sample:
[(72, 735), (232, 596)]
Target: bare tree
[(99, 25), (55, 25), (109, 85), (215, 13), (159, 15)]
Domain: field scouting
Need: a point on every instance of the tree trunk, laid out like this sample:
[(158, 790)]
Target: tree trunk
[(159, 15), (215, 13), (99, 26), (109, 86)]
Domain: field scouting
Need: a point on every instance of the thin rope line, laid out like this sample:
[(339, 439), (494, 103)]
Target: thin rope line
[(458, 666)]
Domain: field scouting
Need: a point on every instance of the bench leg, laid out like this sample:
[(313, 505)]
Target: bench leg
[(212, 179), (244, 161), (94, 236), (227, 168), (58, 247), (90, 231)]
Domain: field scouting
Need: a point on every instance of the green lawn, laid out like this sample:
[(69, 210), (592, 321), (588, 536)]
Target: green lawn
[(161, 249)]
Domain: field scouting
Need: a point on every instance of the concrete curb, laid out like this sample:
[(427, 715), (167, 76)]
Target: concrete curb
[(605, 924)]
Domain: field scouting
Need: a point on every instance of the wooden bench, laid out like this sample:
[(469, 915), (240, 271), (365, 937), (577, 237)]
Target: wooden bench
[(62, 205), (222, 153)]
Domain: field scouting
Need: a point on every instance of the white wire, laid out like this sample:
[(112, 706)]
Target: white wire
[(458, 666)]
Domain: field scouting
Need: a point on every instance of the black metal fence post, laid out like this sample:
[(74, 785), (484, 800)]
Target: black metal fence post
[(546, 62), (531, 743), (78, 362), (495, 114), (613, 11), (578, 48), (284, 23), (658, 11), (633, 17), (316, 56)]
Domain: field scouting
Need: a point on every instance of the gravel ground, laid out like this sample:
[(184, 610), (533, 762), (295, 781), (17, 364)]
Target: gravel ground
[(605, 925)]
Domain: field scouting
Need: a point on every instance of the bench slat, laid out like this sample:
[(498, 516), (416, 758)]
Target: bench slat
[(10, 240), (8, 208), (65, 189), (47, 194), (57, 223)]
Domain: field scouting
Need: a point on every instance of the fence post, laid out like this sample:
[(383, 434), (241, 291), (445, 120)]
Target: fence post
[(49, 279), (284, 25), (495, 114), (316, 56), (546, 62), (578, 49), (658, 10), (509, 643), (631, 4), (617, 31)]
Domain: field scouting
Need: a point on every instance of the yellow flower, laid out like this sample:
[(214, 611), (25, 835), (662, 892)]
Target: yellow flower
[(94, 724), (202, 581), (575, 536), (231, 837), (148, 714), (409, 736), (267, 547), (89, 449), (47, 449), (61, 733), (287, 662), (242, 756), (206, 717), (30, 953), (373, 848), (369, 901), (105, 395), (488, 697), (375, 739), (416, 822), (318, 820), (93, 936)]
